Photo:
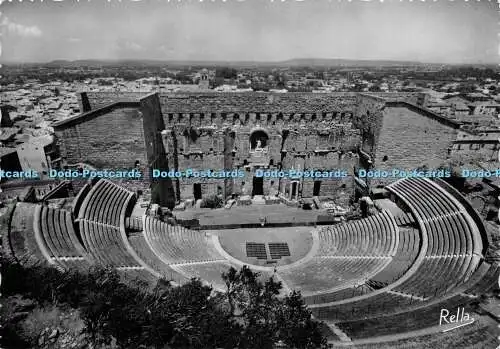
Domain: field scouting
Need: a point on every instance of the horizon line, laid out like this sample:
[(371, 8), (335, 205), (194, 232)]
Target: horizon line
[(208, 61)]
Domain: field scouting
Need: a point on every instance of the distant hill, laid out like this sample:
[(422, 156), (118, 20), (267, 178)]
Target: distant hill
[(299, 62), (323, 62), (294, 63)]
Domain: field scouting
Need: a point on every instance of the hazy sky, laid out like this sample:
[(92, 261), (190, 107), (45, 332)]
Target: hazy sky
[(261, 30)]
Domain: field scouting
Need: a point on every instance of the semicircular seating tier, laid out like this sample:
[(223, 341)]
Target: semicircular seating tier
[(448, 269), (348, 255), (21, 242), (381, 250), (56, 230), (183, 253), (101, 221), (427, 255)]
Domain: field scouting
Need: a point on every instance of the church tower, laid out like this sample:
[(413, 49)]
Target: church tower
[(204, 82)]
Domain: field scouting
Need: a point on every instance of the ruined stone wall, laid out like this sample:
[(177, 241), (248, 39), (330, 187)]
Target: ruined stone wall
[(98, 100), (228, 148), (368, 119), (212, 131), (470, 152), (197, 148), (111, 140), (213, 102), (409, 140), (340, 189), (162, 190), (410, 97)]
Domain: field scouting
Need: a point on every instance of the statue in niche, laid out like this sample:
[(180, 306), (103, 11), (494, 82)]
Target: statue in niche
[(259, 144)]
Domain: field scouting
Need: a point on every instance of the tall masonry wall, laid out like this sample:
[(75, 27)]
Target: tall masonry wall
[(409, 140), (216, 102), (162, 190), (368, 119), (475, 152), (112, 138), (95, 100), (214, 130)]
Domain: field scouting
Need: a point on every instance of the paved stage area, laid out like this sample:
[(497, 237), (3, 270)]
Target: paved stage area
[(274, 214)]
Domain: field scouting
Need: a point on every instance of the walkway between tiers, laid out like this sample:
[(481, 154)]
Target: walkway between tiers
[(339, 333)]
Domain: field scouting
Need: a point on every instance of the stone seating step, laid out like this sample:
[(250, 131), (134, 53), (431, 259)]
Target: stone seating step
[(258, 200)]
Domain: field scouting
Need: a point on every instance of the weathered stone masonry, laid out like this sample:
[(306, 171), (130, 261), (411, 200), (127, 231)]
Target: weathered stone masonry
[(248, 131), (222, 131), (402, 135)]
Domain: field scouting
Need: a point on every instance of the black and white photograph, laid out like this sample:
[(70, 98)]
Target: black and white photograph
[(250, 174)]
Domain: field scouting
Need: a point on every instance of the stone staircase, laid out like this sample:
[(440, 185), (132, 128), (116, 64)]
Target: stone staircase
[(258, 200)]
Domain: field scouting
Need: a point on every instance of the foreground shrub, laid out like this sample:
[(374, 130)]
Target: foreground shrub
[(106, 312)]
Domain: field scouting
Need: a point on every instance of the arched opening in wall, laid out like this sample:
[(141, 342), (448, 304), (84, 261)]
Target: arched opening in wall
[(258, 139), (295, 188), (316, 188), (197, 191), (258, 186)]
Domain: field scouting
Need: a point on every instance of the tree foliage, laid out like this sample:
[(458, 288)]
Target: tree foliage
[(265, 317), (226, 73), (249, 314)]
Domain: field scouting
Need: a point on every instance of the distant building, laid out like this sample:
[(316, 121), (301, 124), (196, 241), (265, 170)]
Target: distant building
[(5, 120), (460, 109), (9, 160), (484, 108), (8, 134), (477, 97), (204, 83), (38, 154), (440, 108)]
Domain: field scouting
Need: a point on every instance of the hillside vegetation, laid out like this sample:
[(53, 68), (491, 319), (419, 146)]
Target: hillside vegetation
[(46, 308)]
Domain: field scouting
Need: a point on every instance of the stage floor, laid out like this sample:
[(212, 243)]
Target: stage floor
[(244, 215)]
